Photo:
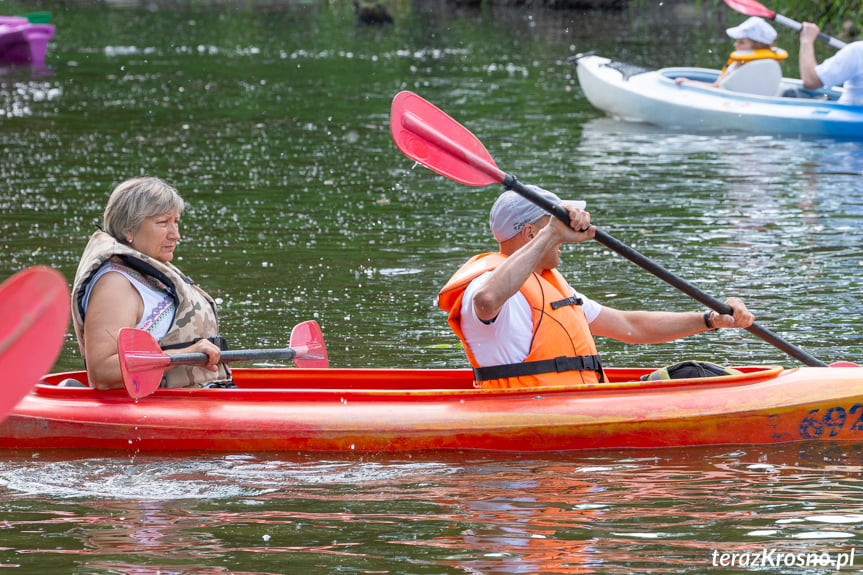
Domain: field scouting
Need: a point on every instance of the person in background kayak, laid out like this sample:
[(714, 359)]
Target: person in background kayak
[(125, 279), (753, 40), (844, 67), (521, 323)]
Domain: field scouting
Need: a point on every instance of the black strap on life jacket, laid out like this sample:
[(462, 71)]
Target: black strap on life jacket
[(556, 365), (571, 300)]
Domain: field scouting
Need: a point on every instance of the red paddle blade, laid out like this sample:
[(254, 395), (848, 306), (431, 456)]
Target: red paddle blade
[(142, 362), (308, 341), (751, 8), (34, 311), (427, 135)]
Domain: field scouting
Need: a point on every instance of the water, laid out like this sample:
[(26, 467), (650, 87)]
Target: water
[(617, 512), (272, 121)]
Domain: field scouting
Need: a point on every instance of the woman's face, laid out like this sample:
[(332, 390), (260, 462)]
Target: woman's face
[(158, 236)]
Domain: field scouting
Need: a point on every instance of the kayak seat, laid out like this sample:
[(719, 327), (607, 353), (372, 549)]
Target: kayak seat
[(760, 77)]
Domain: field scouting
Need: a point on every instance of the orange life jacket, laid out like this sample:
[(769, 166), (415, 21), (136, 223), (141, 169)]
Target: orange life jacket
[(562, 350), (741, 57)]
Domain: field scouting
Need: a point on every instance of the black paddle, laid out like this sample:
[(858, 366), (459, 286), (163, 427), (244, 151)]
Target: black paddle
[(429, 136)]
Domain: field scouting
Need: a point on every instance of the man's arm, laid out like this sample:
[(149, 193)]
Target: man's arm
[(508, 278), (660, 326), (806, 59)]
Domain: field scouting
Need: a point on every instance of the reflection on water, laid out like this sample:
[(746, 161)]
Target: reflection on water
[(619, 512), (18, 100)]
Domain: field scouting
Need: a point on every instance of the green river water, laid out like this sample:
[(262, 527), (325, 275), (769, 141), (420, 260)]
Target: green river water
[(272, 120)]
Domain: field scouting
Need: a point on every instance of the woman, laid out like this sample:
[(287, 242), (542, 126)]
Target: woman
[(125, 279)]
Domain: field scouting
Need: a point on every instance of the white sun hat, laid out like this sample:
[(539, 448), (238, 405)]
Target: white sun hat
[(755, 29)]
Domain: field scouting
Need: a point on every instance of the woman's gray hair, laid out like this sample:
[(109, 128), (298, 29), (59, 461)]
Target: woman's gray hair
[(136, 199)]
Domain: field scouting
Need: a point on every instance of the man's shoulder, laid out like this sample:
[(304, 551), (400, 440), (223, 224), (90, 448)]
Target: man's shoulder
[(853, 51), (475, 266)]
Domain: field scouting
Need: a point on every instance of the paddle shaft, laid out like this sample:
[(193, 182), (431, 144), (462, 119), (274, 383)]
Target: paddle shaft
[(755, 8), (237, 355), (646, 263), (794, 25)]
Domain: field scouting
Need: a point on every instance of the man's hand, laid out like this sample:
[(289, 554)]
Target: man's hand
[(808, 32), (742, 317), (579, 229)]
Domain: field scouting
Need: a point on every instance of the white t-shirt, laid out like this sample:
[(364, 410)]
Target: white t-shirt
[(845, 66), (159, 307), (507, 339)]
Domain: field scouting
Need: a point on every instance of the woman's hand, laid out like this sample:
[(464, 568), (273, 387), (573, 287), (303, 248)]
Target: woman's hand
[(201, 346)]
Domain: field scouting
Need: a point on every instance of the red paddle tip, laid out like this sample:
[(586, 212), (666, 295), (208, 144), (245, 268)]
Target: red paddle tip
[(34, 305), (142, 362), (308, 341), (844, 364), (751, 8), (427, 135)]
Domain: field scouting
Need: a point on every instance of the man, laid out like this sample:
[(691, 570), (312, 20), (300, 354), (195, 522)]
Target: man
[(844, 66), (521, 323)]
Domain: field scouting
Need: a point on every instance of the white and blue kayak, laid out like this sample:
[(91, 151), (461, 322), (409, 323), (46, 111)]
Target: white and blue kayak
[(764, 102)]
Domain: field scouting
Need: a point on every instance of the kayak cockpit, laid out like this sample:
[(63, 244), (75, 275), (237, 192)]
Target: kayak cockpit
[(422, 381), (786, 87)]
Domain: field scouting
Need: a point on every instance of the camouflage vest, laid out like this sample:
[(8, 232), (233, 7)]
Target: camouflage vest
[(195, 315)]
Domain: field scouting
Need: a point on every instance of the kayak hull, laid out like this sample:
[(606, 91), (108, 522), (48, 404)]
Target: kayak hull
[(418, 410), (651, 96)]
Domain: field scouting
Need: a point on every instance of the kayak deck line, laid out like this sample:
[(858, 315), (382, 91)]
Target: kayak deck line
[(414, 382)]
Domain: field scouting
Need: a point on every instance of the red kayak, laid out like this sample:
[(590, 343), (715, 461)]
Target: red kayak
[(413, 410)]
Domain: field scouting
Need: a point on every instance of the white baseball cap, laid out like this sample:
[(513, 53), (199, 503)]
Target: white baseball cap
[(755, 29), (512, 211)]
